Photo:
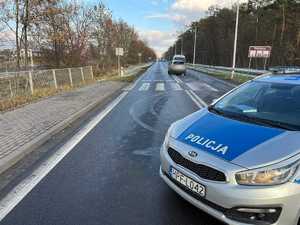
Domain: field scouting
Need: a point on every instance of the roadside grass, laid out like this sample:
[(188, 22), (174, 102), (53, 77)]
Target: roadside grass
[(238, 78), (115, 77), (14, 102)]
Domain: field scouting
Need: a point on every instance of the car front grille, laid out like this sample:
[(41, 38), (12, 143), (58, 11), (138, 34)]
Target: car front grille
[(203, 171)]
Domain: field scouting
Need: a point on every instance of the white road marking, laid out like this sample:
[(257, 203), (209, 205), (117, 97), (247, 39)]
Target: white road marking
[(199, 102), (211, 88), (147, 80), (144, 87), (194, 86), (128, 88), (177, 79), (176, 87), (160, 87), (203, 103), (194, 99), (12, 199)]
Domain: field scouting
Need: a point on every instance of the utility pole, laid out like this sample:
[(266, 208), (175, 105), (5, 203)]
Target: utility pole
[(175, 47), (17, 34), (195, 45), (235, 39), (181, 45), (25, 32)]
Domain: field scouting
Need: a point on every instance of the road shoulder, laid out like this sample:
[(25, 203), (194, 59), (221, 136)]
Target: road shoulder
[(27, 128)]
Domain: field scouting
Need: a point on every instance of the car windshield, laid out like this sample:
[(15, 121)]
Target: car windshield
[(179, 58), (269, 104)]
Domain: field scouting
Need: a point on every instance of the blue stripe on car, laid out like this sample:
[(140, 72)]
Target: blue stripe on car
[(226, 138)]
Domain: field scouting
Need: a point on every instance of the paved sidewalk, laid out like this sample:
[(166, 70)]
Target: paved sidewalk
[(25, 128)]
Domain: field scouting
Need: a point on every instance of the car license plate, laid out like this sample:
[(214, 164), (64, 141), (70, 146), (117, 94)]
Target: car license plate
[(187, 182)]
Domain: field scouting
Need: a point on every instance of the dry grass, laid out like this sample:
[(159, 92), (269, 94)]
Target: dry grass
[(18, 101), (21, 100), (113, 76), (224, 75)]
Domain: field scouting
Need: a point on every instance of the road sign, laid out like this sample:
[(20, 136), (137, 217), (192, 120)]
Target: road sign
[(119, 51), (259, 51)]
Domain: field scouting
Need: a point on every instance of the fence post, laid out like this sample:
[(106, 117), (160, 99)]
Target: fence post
[(30, 82), (54, 79), (70, 77), (10, 88), (82, 75), (92, 73)]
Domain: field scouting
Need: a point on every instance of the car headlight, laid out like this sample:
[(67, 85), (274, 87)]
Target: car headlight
[(267, 176)]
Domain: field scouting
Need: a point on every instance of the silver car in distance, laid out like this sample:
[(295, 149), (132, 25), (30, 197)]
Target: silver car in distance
[(177, 65), (238, 159)]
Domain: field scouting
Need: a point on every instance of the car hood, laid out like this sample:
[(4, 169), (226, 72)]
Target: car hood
[(244, 144)]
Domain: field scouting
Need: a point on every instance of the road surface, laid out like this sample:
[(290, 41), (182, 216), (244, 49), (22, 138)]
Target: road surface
[(111, 177)]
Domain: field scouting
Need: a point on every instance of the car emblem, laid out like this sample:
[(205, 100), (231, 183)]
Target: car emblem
[(193, 154)]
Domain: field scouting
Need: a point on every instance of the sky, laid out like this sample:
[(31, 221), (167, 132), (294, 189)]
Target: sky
[(160, 21)]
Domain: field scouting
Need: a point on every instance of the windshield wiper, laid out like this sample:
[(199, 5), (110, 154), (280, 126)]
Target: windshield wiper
[(256, 120), (216, 111), (275, 124)]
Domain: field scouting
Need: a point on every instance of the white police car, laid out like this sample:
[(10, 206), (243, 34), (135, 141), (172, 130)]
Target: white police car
[(238, 159)]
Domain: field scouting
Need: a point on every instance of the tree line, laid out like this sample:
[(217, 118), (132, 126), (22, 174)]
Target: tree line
[(67, 33), (262, 22)]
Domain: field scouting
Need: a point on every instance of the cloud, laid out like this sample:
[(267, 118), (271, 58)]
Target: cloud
[(201, 5), (173, 17), (192, 5), (158, 40), (183, 12)]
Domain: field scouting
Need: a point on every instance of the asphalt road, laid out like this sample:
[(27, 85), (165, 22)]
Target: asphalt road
[(112, 176)]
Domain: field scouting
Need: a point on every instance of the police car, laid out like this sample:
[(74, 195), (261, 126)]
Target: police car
[(238, 159)]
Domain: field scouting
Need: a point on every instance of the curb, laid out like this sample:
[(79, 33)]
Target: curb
[(29, 147)]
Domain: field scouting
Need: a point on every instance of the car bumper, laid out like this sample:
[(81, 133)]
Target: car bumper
[(223, 197), (177, 69)]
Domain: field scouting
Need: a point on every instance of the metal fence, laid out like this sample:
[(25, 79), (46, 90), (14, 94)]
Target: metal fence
[(28, 82)]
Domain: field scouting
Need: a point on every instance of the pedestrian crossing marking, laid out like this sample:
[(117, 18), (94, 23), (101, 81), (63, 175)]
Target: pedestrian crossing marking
[(144, 87), (173, 86), (160, 87)]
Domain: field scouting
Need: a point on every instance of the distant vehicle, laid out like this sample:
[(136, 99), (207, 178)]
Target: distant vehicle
[(239, 158), (177, 65)]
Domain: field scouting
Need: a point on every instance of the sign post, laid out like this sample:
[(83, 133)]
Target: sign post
[(263, 52), (119, 52)]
